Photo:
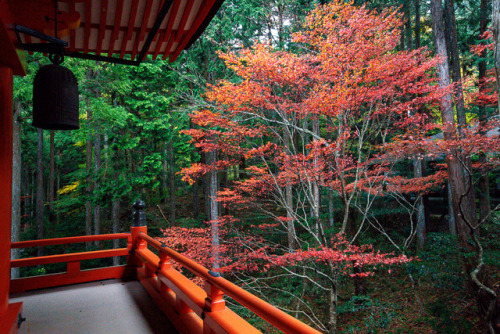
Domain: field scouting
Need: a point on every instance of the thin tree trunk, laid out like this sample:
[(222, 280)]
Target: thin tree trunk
[(39, 190), (88, 189), (417, 24), (115, 216), (16, 186), (421, 224), (316, 191), (331, 209), (170, 157), (214, 210), (495, 22), (97, 166), (51, 175), (289, 200), (484, 180), (165, 176)]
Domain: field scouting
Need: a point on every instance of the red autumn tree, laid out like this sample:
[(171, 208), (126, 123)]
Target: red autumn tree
[(318, 120)]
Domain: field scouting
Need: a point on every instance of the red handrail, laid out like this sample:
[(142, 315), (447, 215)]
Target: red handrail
[(74, 257), (69, 240), (266, 311)]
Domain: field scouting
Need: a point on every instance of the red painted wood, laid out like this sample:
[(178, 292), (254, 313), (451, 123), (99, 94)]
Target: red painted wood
[(200, 17), (49, 281), (88, 21), (185, 16), (116, 29), (168, 31), (69, 240), (9, 55), (102, 25), (131, 25), (5, 182), (271, 314), (8, 320), (175, 36), (60, 258), (72, 32), (188, 323), (145, 20)]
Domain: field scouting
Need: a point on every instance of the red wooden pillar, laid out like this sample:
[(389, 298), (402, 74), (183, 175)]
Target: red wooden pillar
[(5, 182), (8, 313)]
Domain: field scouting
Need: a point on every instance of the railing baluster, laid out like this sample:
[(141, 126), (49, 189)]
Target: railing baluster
[(165, 264), (214, 301)]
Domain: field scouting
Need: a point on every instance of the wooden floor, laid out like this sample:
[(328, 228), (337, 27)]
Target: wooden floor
[(105, 307)]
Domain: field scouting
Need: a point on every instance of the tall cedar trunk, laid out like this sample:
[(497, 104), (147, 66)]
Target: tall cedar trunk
[(97, 166), (171, 180), (420, 208), (39, 190), (417, 24), (419, 164), (463, 208), (214, 210), (454, 59), (289, 198), (16, 185), (484, 180), (407, 13), (88, 189), (51, 177), (115, 217), (495, 23)]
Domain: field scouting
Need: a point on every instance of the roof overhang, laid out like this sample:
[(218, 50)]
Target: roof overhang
[(122, 31)]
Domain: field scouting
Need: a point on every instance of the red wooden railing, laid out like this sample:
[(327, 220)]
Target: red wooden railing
[(182, 296), (190, 308), (73, 273)]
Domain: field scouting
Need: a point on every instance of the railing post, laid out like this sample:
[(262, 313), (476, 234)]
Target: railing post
[(138, 226), (165, 264), (213, 303)]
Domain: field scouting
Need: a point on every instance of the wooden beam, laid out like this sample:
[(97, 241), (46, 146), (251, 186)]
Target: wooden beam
[(88, 21), (102, 25), (116, 29), (168, 30), (200, 17), (131, 24), (61, 258), (175, 37), (69, 240), (72, 32), (49, 281), (142, 31)]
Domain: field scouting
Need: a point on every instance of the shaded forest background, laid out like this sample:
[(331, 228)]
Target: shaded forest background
[(134, 142)]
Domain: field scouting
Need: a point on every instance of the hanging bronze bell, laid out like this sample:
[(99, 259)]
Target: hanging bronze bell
[(55, 98)]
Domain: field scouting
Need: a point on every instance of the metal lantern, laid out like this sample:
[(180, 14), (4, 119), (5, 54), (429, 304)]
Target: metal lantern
[(55, 97)]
